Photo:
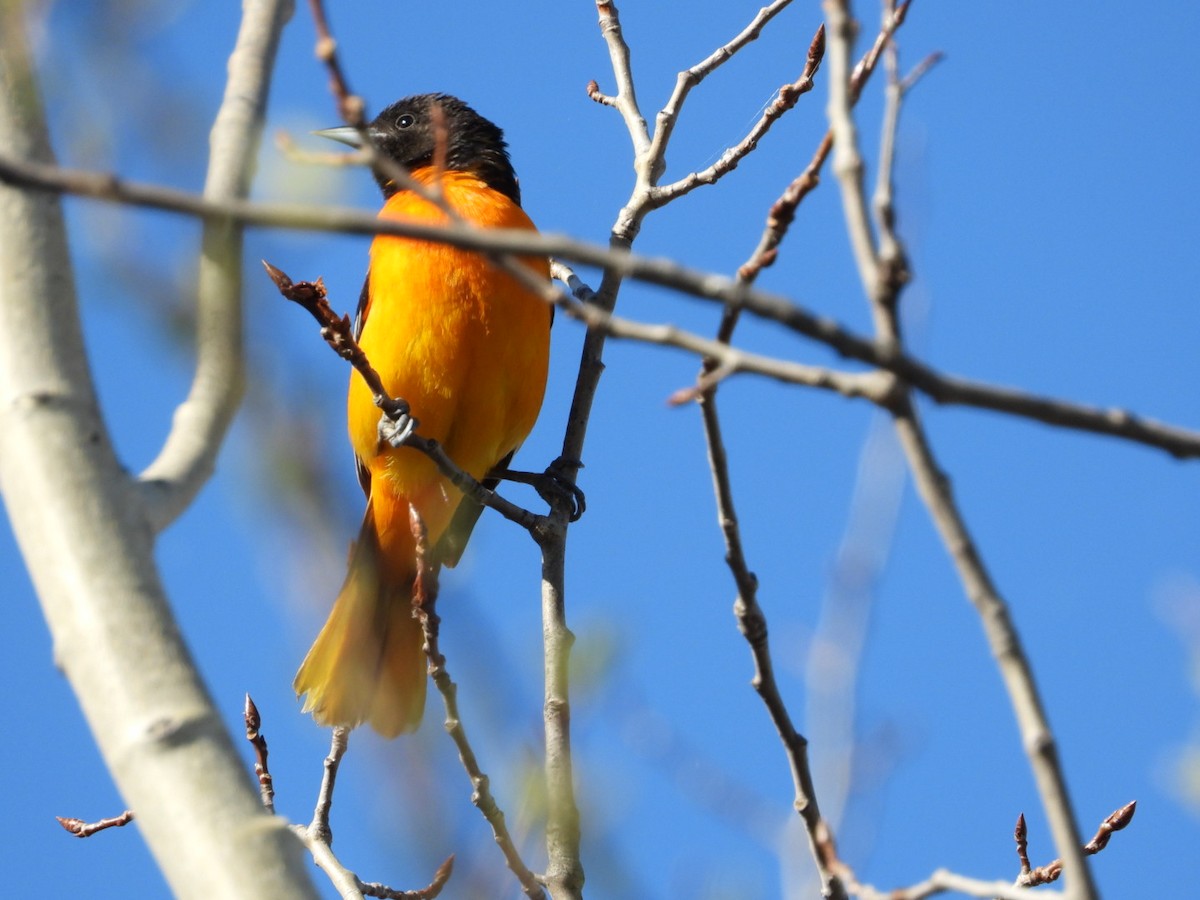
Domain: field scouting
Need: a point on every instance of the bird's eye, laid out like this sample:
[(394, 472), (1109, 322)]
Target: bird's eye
[(405, 121)]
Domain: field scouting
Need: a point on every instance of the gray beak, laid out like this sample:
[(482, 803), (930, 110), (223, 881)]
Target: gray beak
[(343, 135)]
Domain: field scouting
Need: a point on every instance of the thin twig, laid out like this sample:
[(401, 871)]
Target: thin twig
[(944, 882), (266, 785), (783, 211), (431, 890), (317, 836), (625, 100), (920, 70), (847, 160), (751, 618), (752, 623), (82, 829), (1114, 823), (425, 590), (717, 364), (352, 110), (668, 116), (1031, 877), (350, 106), (319, 826), (785, 99), (944, 389)]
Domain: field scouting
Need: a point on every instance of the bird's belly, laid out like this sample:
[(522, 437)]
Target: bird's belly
[(466, 346)]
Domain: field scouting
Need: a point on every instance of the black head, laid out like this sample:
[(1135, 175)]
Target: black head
[(405, 132)]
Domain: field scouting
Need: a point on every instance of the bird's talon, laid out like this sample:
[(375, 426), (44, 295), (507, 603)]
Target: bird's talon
[(395, 432), (554, 485)]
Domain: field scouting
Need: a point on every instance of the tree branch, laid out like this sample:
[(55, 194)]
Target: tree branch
[(424, 603), (883, 269), (189, 454), (625, 100), (114, 636), (668, 116), (619, 263)]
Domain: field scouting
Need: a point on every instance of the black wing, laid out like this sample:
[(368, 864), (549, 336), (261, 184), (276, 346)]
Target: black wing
[(360, 318), (453, 542)]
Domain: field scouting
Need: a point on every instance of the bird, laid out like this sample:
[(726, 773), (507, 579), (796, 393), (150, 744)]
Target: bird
[(466, 345)]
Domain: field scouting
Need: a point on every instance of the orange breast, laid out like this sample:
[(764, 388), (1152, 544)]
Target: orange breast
[(463, 343)]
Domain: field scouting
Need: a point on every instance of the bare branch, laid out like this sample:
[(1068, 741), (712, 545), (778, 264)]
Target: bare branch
[(189, 454), (883, 269), (668, 116), (425, 589), (625, 101), (338, 744), (943, 882), (920, 70), (944, 389), (847, 160), (350, 106), (1030, 877), (934, 487), (620, 263), (783, 211), (440, 877), (114, 634), (717, 365), (784, 100), (751, 619), (752, 623), (318, 837)]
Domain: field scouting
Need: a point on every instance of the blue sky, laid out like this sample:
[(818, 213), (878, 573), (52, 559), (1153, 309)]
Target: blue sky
[(1048, 192)]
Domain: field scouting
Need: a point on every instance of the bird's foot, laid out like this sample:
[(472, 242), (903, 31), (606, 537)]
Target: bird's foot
[(396, 425), (556, 485)]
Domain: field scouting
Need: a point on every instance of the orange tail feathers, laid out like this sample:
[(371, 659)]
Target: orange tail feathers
[(367, 664)]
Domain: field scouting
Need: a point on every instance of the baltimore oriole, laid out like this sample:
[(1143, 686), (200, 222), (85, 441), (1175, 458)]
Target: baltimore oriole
[(467, 346)]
